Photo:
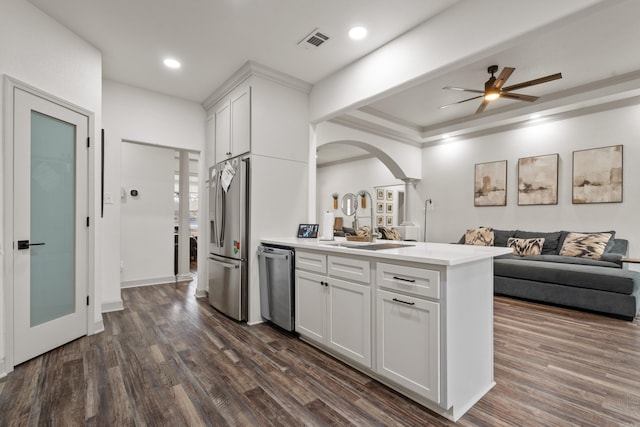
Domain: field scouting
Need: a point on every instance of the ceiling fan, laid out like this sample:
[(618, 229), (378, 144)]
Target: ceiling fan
[(494, 88)]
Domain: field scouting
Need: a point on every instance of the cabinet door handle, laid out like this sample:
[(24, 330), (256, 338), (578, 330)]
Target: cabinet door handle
[(404, 302), (404, 280)]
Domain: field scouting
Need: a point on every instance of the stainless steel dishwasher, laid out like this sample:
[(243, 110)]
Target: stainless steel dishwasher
[(277, 286)]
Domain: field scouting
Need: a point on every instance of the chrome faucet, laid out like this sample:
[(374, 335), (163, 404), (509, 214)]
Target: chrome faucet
[(373, 234)]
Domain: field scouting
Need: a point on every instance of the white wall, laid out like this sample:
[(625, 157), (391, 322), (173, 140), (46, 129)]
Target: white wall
[(42, 53), (147, 225), (350, 177), (138, 115), (448, 176)]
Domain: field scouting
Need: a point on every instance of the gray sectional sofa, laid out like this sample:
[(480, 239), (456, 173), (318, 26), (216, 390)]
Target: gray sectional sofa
[(600, 285)]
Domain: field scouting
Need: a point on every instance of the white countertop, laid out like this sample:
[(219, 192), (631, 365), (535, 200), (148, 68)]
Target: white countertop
[(427, 253)]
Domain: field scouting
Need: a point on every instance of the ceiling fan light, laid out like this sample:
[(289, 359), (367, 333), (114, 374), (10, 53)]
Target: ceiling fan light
[(491, 96)]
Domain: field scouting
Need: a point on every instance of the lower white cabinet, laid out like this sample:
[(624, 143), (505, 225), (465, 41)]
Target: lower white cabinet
[(311, 306), (408, 342), (335, 313)]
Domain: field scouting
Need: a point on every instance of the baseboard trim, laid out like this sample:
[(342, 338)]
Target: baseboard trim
[(3, 370), (202, 293), (148, 282), (109, 306), (183, 277), (98, 327)]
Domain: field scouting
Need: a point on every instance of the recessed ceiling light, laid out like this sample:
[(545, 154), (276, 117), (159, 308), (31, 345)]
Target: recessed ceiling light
[(172, 63), (358, 33)]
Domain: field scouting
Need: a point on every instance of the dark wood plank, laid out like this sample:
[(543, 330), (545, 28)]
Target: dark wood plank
[(170, 359)]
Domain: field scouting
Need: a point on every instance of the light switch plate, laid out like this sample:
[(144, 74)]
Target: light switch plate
[(108, 198)]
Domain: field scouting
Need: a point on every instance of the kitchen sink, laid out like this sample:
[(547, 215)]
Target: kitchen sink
[(379, 246), (368, 246)]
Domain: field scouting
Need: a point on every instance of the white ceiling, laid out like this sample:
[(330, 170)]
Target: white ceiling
[(214, 38), (596, 51)]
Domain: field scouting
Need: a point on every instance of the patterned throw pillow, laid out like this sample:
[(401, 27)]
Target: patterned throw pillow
[(524, 247), (481, 236), (585, 245)]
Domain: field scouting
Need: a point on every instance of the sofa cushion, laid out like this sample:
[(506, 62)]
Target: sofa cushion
[(526, 246), (551, 240), (481, 236), (610, 244), (500, 237), (580, 276), (607, 260), (584, 245)]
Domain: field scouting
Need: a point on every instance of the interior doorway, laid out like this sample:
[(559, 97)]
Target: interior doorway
[(186, 215), (153, 249)]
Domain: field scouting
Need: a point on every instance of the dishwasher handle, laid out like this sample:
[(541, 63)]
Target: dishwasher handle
[(271, 253)]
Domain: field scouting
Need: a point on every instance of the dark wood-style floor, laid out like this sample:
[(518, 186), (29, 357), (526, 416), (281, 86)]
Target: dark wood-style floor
[(169, 359)]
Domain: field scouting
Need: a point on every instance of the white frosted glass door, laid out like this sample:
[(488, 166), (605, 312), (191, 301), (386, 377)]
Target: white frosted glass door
[(52, 244), (50, 229)]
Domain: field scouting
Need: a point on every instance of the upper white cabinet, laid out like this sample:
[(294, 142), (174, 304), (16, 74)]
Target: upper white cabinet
[(259, 111), (233, 124)]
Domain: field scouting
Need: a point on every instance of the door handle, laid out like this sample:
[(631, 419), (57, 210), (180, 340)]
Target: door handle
[(24, 244)]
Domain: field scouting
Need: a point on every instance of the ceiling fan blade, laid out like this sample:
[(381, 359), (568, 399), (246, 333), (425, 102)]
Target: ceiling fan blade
[(518, 96), (482, 106), (502, 78), (533, 82), (461, 89), (460, 102)]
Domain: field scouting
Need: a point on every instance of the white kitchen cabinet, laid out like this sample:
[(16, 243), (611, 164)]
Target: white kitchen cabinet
[(233, 124), (408, 342), (311, 305), (331, 311), (349, 320), (430, 315)]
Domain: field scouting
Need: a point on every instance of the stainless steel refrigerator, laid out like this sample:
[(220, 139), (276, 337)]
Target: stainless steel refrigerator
[(229, 236)]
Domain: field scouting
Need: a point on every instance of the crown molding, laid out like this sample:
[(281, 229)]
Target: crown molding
[(250, 69)]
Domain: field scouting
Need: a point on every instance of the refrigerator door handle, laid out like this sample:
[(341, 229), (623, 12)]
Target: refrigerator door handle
[(225, 264), (223, 214)]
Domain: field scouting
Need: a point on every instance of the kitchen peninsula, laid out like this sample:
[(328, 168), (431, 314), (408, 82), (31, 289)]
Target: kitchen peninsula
[(416, 316)]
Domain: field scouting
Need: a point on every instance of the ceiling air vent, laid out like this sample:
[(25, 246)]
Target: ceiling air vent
[(314, 40)]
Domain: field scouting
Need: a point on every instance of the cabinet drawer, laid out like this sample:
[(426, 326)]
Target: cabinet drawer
[(412, 280), (311, 261), (348, 268)]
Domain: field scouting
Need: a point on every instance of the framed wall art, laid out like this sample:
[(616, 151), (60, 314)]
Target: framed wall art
[(389, 195), (389, 220), (538, 180), (389, 207), (380, 194), (490, 184), (380, 207), (597, 175), (379, 220)]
